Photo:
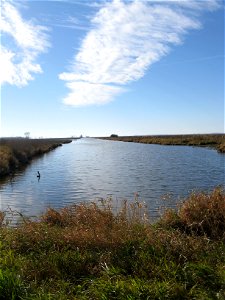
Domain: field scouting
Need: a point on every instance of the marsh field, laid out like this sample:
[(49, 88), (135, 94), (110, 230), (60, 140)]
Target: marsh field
[(81, 246), (216, 141)]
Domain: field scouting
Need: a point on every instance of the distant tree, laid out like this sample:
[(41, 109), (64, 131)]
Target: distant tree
[(114, 135), (27, 134)]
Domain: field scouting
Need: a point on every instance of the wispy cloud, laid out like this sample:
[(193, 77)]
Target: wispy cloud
[(21, 43), (102, 92), (65, 19), (126, 38), (192, 4)]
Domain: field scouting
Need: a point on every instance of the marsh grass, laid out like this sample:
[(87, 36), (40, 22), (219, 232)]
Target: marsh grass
[(15, 152), (221, 147), (92, 251), (200, 214), (203, 140)]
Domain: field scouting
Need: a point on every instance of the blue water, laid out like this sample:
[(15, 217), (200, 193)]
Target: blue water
[(90, 168)]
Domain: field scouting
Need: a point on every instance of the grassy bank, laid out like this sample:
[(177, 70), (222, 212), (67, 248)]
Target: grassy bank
[(207, 140), (88, 252), (15, 152)]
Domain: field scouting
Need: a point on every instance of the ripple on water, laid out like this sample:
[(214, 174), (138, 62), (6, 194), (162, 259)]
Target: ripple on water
[(87, 169)]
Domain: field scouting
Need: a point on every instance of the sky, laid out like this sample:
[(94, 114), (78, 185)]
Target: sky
[(126, 67)]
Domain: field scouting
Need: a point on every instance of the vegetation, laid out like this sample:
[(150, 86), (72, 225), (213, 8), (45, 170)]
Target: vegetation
[(90, 251), (15, 152), (221, 147), (209, 140), (114, 135)]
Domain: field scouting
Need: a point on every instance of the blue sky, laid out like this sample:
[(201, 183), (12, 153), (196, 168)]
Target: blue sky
[(71, 67)]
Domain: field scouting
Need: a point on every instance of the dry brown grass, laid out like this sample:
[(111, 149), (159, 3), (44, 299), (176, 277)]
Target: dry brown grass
[(201, 214), (222, 147), (2, 217), (98, 225), (208, 140), (7, 160), (88, 225), (92, 251), (15, 152)]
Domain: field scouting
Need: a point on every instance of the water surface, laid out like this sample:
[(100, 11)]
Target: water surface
[(89, 168)]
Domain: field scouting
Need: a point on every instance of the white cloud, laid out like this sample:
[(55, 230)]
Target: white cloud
[(126, 39), (22, 41), (90, 93)]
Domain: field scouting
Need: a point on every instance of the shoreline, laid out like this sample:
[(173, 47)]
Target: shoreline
[(86, 251), (19, 152), (214, 141)]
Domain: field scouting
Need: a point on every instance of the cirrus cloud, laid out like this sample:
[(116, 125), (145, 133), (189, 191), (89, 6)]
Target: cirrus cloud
[(126, 38), (21, 43)]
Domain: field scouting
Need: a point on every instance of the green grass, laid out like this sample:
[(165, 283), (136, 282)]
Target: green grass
[(15, 152), (89, 251), (204, 140)]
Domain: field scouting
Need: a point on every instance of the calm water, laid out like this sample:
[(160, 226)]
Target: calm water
[(91, 168)]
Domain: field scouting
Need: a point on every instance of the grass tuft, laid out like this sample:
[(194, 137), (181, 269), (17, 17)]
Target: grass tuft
[(201, 214)]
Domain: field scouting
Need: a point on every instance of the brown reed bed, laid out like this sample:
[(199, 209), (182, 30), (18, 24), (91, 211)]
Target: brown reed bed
[(202, 140), (92, 251), (16, 152)]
